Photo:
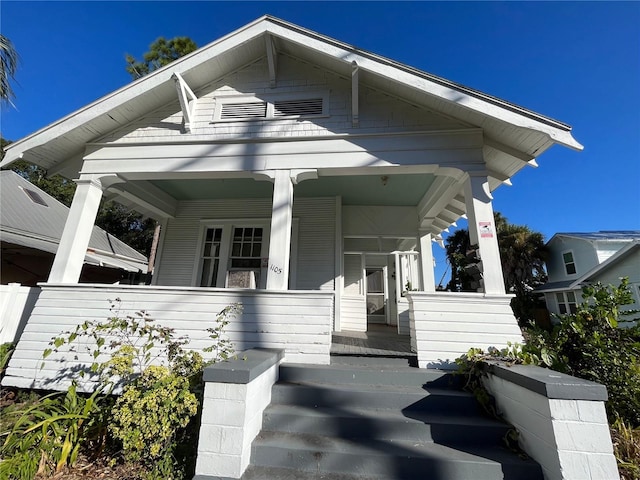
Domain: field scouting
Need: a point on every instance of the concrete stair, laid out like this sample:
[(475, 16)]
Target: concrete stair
[(356, 421)]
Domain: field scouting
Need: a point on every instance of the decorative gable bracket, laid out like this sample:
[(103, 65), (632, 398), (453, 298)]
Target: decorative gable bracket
[(355, 81), (272, 60), (187, 100)]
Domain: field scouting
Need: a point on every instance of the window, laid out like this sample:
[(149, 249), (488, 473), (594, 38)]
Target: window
[(245, 259), (211, 257), (275, 106), (566, 302), (569, 263), (34, 196), (231, 255)]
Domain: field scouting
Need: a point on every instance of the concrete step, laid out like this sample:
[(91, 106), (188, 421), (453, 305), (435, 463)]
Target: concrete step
[(369, 375), (407, 360), (254, 472), (387, 459), (385, 424), (408, 399)]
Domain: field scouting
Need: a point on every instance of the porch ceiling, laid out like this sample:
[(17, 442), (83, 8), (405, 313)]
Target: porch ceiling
[(393, 190)]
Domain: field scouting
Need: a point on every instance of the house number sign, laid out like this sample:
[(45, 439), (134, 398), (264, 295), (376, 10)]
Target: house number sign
[(275, 269)]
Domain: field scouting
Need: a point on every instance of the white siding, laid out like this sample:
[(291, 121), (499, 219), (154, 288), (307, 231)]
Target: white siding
[(628, 267), (16, 303), (353, 275), (353, 315), (299, 322), (316, 242), (446, 325), (604, 250), (404, 327), (584, 256), (316, 238), (378, 112)]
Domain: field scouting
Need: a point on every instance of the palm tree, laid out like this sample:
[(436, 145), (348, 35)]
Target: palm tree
[(8, 67), (523, 255)]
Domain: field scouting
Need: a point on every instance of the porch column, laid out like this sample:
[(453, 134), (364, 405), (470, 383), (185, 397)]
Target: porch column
[(280, 240), (482, 231), (426, 257), (72, 249)]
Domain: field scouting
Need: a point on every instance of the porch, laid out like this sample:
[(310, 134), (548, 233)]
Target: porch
[(301, 322), (377, 341)]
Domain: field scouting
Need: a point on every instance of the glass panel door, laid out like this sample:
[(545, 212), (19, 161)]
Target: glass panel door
[(376, 305)]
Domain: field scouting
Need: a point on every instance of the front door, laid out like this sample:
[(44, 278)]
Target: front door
[(376, 295)]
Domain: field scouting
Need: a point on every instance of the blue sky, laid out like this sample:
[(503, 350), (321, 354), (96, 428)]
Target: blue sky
[(577, 62)]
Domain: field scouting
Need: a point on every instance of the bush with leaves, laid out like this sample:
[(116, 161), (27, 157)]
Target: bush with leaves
[(161, 380), (48, 435), (6, 350), (149, 413), (588, 344), (161, 383)]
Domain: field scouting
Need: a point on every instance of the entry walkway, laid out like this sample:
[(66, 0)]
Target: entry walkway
[(378, 341)]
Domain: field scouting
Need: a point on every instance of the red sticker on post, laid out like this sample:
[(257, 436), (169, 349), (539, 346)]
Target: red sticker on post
[(485, 229)]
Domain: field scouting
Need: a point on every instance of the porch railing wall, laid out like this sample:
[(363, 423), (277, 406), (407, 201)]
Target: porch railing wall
[(16, 303), (299, 322), (445, 325)]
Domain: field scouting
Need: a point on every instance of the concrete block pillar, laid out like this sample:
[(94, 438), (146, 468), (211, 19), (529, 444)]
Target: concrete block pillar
[(280, 240), (482, 231)]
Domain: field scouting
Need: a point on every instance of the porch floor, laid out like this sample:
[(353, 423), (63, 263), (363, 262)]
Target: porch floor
[(378, 341)]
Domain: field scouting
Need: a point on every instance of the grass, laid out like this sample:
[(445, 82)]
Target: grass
[(626, 447)]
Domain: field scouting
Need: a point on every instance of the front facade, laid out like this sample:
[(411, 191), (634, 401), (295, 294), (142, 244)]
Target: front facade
[(576, 259), (303, 178)]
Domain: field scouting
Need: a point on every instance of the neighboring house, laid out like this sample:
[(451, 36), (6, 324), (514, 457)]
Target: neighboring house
[(576, 259), (31, 224), (300, 176)]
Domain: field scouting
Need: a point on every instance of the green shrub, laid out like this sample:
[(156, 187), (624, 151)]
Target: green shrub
[(6, 350), (149, 413), (626, 446), (48, 435), (161, 383), (588, 344)]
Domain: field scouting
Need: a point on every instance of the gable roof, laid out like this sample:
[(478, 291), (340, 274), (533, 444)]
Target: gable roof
[(39, 224), (513, 134), (603, 235), (620, 255)]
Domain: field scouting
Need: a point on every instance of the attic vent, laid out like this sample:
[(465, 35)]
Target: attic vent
[(35, 197), (243, 110), (285, 108)]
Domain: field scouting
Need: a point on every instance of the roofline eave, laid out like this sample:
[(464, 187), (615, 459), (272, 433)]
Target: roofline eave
[(483, 103)]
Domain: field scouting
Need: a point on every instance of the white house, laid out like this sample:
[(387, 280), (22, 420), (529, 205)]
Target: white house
[(576, 259), (300, 176)]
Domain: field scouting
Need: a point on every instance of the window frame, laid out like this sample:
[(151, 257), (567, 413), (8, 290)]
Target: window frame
[(270, 100), (227, 226), (566, 303), (226, 242), (572, 262)]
